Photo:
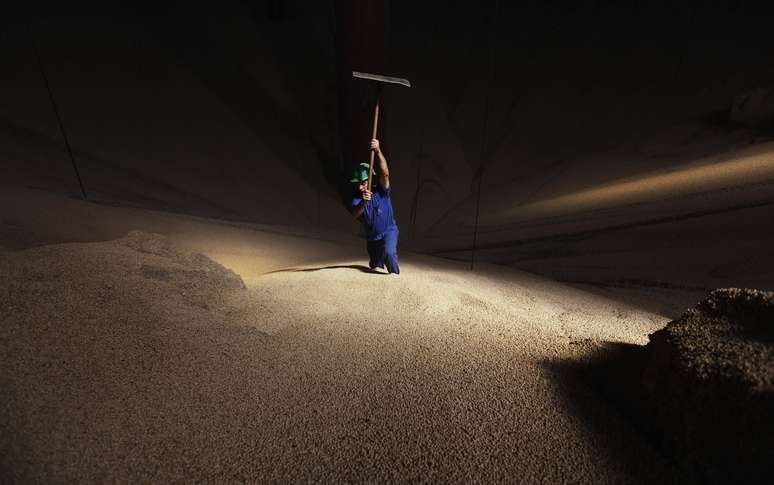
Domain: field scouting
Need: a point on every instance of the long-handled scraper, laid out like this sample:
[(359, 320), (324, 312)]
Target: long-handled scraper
[(380, 80)]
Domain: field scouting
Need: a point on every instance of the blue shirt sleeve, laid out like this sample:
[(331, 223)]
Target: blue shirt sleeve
[(385, 192)]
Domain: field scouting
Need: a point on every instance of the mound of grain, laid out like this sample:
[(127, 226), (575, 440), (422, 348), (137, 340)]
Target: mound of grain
[(112, 354), (709, 386)]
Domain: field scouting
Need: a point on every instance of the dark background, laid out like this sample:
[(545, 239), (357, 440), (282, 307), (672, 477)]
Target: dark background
[(248, 111)]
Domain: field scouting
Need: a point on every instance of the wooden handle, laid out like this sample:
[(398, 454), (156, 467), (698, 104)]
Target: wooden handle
[(373, 134)]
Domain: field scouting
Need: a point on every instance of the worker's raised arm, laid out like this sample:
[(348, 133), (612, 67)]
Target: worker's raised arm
[(383, 169)]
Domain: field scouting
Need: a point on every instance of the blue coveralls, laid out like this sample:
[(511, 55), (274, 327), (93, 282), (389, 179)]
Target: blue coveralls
[(381, 229)]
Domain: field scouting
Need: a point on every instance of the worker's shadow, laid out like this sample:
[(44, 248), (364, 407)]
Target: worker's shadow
[(359, 267)]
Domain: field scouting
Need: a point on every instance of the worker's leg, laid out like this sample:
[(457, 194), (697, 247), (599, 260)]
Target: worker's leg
[(375, 254), (391, 250)]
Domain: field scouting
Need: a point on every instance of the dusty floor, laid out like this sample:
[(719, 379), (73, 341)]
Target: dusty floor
[(131, 360)]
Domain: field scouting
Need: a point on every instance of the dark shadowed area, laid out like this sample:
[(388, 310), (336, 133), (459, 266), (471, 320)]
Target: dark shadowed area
[(622, 148), (178, 261)]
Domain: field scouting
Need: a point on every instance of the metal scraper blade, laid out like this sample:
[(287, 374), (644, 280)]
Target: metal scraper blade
[(383, 79)]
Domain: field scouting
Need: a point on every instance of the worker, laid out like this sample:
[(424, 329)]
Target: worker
[(374, 209)]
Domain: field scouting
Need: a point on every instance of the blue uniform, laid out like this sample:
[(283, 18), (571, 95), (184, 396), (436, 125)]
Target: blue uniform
[(381, 229)]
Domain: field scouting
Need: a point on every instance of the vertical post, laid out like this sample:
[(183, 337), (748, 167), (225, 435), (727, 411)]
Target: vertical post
[(492, 39), (415, 205), (56, 112), (361, 45)]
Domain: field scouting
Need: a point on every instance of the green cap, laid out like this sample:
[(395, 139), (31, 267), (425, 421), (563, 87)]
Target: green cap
[(361, 173)]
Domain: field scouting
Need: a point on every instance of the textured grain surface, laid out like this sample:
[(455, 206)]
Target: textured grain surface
[(709, 387), (134, 361)]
